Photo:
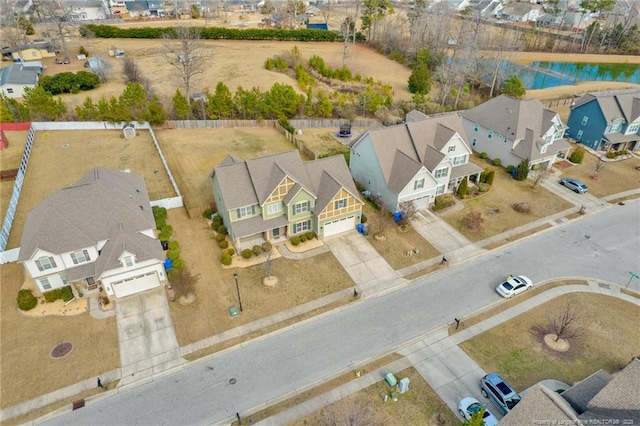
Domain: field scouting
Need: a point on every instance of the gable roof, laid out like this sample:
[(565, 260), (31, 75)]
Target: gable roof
[(582, 392), (245, 183), (620, 398), (403, 149), (88, 212), (618, 104), (16, 74), (540, 403)]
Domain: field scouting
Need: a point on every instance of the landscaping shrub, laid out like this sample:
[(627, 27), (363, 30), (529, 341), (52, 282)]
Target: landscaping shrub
[(295, 240), (483, 155), (26, 300), (247, 253), (178, 264), (222, 230), (223, 244), (489, 177), (287, 126), (208, 213), (173, 254), (611, 154), (303, 238), (522, 171), (266, 246), (165, 232), (363, 218), (483, 187), (443, 201), (159, 212), (231, 251), (577, 155), (83, 51), (225, 258), (497, 162), (63, 293), (310, 235), (256, 250), (463, 189), (174, 245), (510, 169), (220, 237), (216, 221), (68, 82)]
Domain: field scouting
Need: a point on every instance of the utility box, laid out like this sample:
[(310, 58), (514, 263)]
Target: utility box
[(391, 380), (403, 386)]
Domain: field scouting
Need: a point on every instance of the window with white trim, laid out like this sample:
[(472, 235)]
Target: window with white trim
[(244, 211), (473, 143), (418, 184), (301, 226), (452, 148), (633, 128), (490, 134), (80, 256), (340, 204), (45, 284), (616, 127), (128, 261), (274, 208), (439, 189), (585, 120), (579, 134), (461, 159), (45, 263), (63, 277), (299, 208), (440, 173), (476, 127)]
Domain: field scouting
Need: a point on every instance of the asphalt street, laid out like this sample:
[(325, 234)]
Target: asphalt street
[(604, 245)]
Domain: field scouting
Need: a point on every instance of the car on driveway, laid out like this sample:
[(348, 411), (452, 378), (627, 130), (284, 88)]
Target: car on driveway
[(514, 286), (467, 407), (495, 388), (574, 185)]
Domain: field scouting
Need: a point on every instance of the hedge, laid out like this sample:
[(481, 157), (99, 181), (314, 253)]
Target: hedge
[(26, 300), (63, 293), (213, 33)]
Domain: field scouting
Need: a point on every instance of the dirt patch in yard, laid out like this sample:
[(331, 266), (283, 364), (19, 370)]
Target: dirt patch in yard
[(27, 369), (299, 281)]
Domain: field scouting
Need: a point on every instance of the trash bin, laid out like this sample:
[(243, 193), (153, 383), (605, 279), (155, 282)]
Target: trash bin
[(168, 263), (360, 228), (365, 231), (391, 379)]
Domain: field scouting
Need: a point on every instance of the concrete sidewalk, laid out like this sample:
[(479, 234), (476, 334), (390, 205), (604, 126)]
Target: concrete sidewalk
[(450, 372)]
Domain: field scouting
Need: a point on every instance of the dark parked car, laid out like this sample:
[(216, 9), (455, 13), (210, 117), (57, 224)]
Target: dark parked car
[(61, 61), (495, 388), (574, 185)]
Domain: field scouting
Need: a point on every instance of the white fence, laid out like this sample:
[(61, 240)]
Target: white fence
[(9, 255), (168, 203)]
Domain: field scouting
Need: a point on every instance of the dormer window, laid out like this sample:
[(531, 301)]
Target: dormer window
[(128, 261), (45, 263)]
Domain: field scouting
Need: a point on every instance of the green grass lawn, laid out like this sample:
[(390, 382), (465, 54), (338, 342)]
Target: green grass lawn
[(608, 338)]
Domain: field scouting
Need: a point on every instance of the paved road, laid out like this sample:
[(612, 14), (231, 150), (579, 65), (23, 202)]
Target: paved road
[(605, 245)]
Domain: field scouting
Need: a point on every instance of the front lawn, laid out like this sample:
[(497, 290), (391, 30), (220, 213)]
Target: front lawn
[(496, 205), (608, 339)]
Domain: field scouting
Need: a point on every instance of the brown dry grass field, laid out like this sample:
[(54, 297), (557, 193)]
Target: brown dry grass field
[(27, 369), (59, 158), (193, 153), (495, 205), (615, 177), (605, 340)]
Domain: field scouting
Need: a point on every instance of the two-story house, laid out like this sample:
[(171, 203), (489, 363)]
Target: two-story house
[(607, 120), (99, 232), (513, 130), (15, 78), (414, 161), (278, 196)]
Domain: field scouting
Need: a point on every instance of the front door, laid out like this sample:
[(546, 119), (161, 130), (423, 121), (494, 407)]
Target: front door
[(275, 232)]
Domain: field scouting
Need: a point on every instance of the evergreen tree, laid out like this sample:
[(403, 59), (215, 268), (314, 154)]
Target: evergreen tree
[(41, 105), (180, 106), (88, 110), (513, 87), (522, 171), (463, 189), (220, 105), (420, 80)]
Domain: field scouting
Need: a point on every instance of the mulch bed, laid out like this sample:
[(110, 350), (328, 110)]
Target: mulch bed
[(61, 350), (564, 164)]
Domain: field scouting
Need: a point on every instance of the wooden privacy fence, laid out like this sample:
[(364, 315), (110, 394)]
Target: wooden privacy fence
[(559, 102)]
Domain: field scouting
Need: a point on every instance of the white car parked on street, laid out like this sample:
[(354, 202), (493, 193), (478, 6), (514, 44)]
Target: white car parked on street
[(514, 286)]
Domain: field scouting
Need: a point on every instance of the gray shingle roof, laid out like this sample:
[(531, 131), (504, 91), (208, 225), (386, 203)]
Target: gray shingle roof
[(540, 403), (16, 74), (582, 392), (252, 181), (616, 104), (87, 212)]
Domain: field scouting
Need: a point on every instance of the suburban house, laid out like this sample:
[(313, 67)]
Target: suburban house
[(520, 12), (607, 120), (599, 399), (34, 51), (513, 130), (99, 232), (413, 161), (278, 196), (87, 10), (15, 78)]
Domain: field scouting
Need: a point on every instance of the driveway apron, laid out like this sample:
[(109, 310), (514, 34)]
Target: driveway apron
[(371, 273), (147, 340)]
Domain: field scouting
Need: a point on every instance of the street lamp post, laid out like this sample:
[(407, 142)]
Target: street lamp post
[(235, 276), (633, 275)]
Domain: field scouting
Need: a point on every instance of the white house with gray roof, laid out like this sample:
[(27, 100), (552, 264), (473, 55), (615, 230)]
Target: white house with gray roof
[(414, 161), (98, 232), (513, 129), (277, 196), (15, 78)]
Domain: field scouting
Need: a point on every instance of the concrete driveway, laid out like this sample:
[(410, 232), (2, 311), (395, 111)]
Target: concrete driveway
[(371, 273), (147, 340)]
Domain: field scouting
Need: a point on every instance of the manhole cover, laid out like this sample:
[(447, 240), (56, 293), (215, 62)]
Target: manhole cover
[(61, 350), (232, 381)]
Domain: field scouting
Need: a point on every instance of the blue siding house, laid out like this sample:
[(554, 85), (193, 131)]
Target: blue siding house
[(606, 121)]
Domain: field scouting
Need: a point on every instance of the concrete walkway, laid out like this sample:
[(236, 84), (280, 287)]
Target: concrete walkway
[(451, 373)]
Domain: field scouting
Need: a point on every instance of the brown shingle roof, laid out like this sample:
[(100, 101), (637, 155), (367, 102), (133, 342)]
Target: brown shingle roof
[(540, 403), (87, 212), (582, 392), (620, 398)]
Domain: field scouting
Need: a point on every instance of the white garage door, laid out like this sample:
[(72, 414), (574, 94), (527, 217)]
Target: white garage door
[(338, 226), (136, 284)]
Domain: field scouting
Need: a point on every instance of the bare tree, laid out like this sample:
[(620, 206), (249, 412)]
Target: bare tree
[(268, 259), (186, 54), (382, 219), (563, 323), (183, 281), (539, 177), (59, 15), (349, 412), (473, 220), (600, 163), (409, 210), (131, 70)]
